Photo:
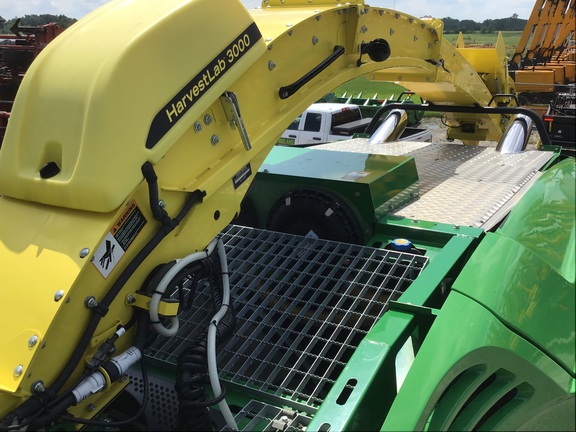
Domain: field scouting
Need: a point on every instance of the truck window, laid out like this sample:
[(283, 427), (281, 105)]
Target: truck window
[(347, 115), (313, 122), (295, 123)]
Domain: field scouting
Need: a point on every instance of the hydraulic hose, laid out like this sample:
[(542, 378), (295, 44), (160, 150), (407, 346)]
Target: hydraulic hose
[(163, 284), (194, 362), (53, 413), (212, 330), (167, 227), (35, 403)]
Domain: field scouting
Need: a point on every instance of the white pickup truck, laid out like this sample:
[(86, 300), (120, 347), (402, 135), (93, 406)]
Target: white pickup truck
[(328, 122)]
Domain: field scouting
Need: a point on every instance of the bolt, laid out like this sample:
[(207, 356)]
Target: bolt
[(197, 127), (457, 227), (58, 296), (123, 378), (91, 407), (38, 387), (207, 119), (284, 419), (32, 341), (215, 140), (271, 65), (130, 299), (18, 370), (90, 302), (363, 29), (84, 252), (162, 204), (314, 40)]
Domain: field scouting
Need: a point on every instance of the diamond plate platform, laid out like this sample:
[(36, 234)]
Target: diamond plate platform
[(459, 185), (302, 305)]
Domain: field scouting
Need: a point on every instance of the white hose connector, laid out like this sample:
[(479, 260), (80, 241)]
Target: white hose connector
[(161, 289), (211, 346), (96, 381)]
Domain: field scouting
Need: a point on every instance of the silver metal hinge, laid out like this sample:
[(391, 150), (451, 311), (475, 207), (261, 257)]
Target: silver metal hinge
[(232, 110)]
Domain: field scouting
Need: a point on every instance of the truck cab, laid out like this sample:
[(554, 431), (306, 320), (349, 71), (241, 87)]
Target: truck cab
[(324, 122)]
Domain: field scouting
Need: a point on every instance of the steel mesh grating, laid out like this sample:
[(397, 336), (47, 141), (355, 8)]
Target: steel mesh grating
[(302, 305)]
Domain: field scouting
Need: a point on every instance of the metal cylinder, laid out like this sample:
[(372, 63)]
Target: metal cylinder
[(516, 137), (391, 128)]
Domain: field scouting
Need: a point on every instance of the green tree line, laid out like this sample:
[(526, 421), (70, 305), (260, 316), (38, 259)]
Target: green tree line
[(36, 20), (451, 25), (513, 23)]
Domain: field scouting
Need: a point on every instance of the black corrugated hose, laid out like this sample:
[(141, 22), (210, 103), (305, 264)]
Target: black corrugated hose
[(193, 411)]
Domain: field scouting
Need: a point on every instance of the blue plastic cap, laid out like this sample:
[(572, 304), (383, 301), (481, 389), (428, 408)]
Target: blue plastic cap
[(401, 244)]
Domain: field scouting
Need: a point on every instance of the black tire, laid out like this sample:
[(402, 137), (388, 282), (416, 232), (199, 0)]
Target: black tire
[(304, 210)]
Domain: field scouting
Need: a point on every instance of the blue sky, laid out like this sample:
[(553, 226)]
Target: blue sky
[(457, 9)]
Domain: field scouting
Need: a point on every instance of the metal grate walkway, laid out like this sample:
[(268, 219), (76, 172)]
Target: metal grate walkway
[(302, 305)]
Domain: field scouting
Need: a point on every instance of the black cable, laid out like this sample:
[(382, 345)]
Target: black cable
[(164, 230), (34, 403), (191, 370), (54, 413)]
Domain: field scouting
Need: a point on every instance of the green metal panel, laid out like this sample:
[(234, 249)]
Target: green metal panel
[(431, 236), (371, 184), (472, 372), (544, 222), (372, 367), (524, 292), (500, 355), (524, 273)]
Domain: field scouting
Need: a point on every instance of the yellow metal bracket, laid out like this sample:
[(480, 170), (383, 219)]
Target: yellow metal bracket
[(167, 307)]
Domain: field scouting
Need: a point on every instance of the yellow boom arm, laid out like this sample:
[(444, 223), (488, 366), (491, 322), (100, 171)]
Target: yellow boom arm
[(193, 93)]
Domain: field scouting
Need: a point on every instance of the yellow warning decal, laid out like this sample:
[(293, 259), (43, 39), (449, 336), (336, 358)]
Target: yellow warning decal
[(119, 238)]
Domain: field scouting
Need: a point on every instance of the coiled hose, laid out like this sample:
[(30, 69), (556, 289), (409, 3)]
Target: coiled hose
[(193, 413)]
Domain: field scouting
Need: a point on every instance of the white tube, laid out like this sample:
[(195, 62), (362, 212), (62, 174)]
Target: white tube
[(211, 345), (161, 289)]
